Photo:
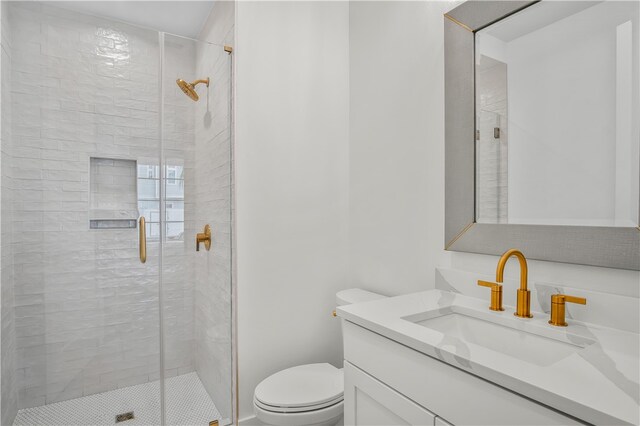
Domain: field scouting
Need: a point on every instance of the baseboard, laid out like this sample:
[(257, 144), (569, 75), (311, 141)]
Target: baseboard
[(250, 421)]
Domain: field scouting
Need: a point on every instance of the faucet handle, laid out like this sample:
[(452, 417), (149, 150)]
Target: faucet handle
[(558, 308), (496, 294)]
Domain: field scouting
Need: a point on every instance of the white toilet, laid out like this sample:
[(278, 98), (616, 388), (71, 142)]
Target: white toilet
[(306, 395)]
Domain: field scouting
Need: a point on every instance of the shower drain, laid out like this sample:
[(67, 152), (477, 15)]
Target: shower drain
[(124, 417)]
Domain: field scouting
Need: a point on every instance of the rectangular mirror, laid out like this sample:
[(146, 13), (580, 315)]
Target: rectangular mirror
[(557, 116), (542, 107)]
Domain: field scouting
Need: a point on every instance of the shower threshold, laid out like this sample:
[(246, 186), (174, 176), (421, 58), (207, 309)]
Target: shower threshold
[(188, 403)]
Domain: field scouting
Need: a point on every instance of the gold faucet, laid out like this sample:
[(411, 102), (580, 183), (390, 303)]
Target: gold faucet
[(558, 308), (523, 306), (496, 294)]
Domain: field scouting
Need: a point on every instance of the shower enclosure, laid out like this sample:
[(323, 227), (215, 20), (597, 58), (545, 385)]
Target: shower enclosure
[(104, 321)]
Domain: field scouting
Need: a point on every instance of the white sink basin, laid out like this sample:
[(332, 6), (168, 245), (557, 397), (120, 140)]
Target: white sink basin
[(501, 333)]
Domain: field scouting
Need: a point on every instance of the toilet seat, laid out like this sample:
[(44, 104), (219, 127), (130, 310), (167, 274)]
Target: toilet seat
[(300, 389), (329, 416), (301, 409)]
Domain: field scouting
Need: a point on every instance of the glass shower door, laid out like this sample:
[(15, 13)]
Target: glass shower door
[(491, 174), (84, 165), (196, 278), (105, 320)]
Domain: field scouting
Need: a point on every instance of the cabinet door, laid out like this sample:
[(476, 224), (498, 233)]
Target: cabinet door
[(368, 402)]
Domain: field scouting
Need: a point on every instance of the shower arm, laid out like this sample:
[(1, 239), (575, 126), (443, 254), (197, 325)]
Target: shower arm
[(205, 81)]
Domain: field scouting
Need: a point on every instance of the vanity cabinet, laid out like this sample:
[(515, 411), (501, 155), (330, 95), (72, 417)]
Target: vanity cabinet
[(372, 403), (387, 383)]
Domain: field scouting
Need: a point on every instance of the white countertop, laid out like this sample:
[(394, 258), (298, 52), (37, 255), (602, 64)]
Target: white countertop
[(598, 384)]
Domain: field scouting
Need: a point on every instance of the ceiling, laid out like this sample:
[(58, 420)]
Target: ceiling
[(184, 18), (535, 17)]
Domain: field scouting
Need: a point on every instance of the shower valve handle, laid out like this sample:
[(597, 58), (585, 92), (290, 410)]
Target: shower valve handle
[(204, 237)]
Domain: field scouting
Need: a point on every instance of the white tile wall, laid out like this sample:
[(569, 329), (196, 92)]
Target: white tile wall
[(86, 309), (85, 315)]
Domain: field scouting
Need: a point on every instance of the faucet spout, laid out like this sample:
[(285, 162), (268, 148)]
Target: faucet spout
[(523, 307), (523, 267)]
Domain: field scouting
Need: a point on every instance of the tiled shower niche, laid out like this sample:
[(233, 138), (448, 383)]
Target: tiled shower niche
[(113, 201)]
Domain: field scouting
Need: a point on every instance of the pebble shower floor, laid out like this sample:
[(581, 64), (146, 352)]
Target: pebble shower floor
[(188, 403)]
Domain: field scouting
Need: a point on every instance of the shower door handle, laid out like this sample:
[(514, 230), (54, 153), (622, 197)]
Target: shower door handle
[(143, 239)]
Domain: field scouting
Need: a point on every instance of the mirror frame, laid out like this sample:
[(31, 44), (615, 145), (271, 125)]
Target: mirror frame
[(612, 247)]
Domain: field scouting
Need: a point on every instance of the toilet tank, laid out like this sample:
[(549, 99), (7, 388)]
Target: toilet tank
[(356, 295)]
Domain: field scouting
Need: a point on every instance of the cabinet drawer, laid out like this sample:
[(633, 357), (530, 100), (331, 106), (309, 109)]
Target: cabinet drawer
[(455, 395), (369, 402)]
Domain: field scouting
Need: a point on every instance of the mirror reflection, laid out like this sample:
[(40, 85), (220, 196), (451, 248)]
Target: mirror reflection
[(557, 107)]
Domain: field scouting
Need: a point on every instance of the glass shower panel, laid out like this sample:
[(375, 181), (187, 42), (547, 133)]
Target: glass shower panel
[(96, 135), (196, 283), (491, 174), (85, 104)]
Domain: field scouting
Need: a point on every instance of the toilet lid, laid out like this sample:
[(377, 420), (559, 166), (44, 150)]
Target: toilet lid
[(302, 386)]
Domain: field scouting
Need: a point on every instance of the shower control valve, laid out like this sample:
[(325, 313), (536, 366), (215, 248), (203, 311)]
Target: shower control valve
[(204, 237)]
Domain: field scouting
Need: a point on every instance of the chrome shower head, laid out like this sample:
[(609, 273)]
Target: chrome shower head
[(189, 88)]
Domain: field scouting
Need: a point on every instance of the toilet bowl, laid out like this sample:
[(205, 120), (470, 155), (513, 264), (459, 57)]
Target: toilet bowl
[(304, 395), (310, 394)]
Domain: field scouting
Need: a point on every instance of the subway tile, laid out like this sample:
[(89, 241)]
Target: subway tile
[(86, 290)]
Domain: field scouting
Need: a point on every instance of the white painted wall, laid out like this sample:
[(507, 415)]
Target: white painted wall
[(396, 159), (297, 184), (565, 168), (291, 155), (396, 163), (8, 376)]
